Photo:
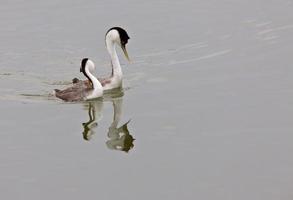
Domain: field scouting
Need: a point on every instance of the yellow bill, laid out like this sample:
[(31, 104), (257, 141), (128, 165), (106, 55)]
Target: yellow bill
[(125, 52)]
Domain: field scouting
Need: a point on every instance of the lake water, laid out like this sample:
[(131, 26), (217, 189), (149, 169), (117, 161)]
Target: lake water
[(206, 111)]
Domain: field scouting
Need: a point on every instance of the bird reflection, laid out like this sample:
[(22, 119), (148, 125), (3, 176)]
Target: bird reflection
[(119, 137), (94, 112)]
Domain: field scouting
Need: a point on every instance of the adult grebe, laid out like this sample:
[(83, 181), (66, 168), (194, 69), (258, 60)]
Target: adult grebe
[(114, 36), (79, 92)]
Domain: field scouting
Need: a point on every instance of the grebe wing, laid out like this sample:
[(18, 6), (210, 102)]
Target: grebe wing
[(76, 92), (105, 81), (86, 83)]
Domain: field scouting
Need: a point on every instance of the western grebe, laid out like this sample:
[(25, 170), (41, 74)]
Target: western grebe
[(114, 36), (83, 92)]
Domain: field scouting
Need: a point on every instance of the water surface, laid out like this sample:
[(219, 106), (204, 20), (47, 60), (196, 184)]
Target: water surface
[(206, 111)]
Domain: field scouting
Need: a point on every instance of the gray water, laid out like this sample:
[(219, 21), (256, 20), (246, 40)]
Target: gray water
[(206, 111)]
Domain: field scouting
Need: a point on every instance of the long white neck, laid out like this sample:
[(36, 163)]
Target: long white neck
[(98, 88), (116, 67), (117, 104), (113, 131)]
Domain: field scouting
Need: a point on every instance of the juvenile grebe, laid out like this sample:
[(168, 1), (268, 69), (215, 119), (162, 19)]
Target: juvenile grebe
[(80, 92), (114, 36)]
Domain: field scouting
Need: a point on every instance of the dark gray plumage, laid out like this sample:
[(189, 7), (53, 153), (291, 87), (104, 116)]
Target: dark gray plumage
[(79, 90)]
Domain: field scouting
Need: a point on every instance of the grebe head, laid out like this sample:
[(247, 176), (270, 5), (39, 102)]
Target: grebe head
[(119, 36), (87, 63)]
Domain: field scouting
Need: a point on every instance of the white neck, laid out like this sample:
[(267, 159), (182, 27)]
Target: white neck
[(116, 67), (117, 104), (98, 88)]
